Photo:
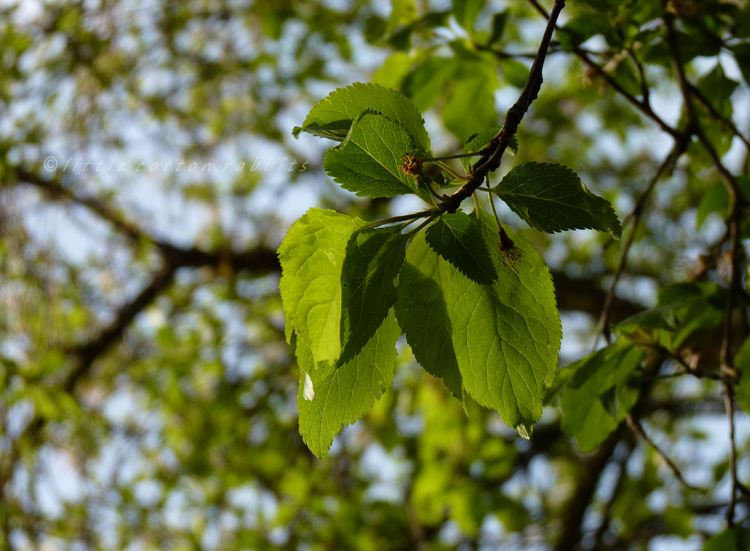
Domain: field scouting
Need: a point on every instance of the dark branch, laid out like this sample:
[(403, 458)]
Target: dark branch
[(56, 191), (85, 354), (499, 143), (635, 425), (589, 473), (261, 260), (643, 106), (665, 167)]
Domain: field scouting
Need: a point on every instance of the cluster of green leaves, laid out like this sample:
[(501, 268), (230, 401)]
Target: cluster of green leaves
[(597, 392), (474, 299), (201, 362)]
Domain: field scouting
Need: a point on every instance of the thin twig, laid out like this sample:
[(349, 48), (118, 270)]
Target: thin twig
[(666, 166), (396, 219), (728, 124), (513, 118), (448, 157), (635, 425), (642, 106), (735, 194), (727, 361), (607, 512), (694, 371), (645, 92), (603, 326), (56, 191), (503, 55), (729, 404), (725, 357), (693, 123), (735, 214)]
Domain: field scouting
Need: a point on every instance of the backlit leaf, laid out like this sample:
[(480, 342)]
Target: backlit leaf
[(333, 117), (498, 341), (552, 198), (312, 258), (471, 104), (597, 395), (343, 394), (458, 238), (368, 161)]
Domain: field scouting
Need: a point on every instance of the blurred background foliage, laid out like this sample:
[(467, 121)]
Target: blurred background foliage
[(148, 398)]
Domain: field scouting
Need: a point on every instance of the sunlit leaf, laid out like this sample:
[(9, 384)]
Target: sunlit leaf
[(312, 258), (498, 341), (343, 394), (368, 162), (598, 394), (333, 117), (552, 198)]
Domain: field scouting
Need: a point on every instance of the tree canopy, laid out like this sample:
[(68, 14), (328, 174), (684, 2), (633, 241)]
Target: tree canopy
[(349, 274)]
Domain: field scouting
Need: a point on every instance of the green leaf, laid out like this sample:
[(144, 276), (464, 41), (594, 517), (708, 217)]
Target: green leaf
[(471, 104), (734, 539), (498, 27), (479, 141), (374, 30), (742, 55), (579, 29), (552, 198), (367, 162), (333, 117), (466, 11), (424, 84), (716, 199), (439, 180), (597, 395), (742, 23), (682, 309), (403, 12), (611, 401), (718, 89), (497, 341), (696, 42), (312, 258), (373, 260), (400, 39), (329, 396), (422, 312), (393, 70), (653, 318), (458, 238), (626, 76), (515, 73)]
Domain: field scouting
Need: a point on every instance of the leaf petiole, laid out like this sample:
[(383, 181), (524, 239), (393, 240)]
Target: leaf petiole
[(456, 176), (419, 228), (492, 206), (396, 219), (448, 157), (477, 207)]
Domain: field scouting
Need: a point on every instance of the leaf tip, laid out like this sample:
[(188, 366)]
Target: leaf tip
[(524, 430), (616, 231)]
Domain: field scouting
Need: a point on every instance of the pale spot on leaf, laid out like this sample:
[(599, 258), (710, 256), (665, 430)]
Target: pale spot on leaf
[(308, 392)]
